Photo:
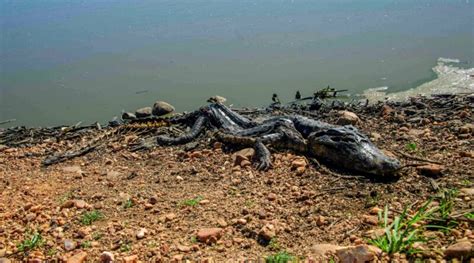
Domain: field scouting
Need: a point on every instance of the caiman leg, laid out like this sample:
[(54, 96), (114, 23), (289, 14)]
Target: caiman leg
[(263, 156), (197, 128)]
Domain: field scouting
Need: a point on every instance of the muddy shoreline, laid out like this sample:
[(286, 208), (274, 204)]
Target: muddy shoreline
[(158, 204)]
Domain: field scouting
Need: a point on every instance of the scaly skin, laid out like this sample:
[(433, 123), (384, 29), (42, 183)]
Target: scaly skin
[(342, 146)]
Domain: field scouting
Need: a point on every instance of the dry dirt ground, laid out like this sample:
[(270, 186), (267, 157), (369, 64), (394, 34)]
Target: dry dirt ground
[(150, 206)]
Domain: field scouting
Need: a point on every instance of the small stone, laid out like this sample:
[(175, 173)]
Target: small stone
[(371, 220), (458, 250), (217, 99), (72, 169), (209, 235), (466, 191), (153, 200), (221, 222), (130, 259), (300, 170), (141, 233), (386, 111), (79, 204), (467, 128), (357, 254), (267, 232), (272, 197), (143, 112), (321, 221), (183, 248), (375, 136), (430, 169), (68, 204), (128, 116), (162, 108), (248, 153), (466, 154), (300, 162), (170, 217), (239, 159), (319, 250), (375, 210), (347, 118), (78, 258), (245, 163), (107, 257), (69, 245)]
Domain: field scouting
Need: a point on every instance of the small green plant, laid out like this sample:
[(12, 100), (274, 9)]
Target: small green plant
[(90, 217), (466, 182), (441, 217), (125, 247), (273, 244), (280, 257), (86, 244), (411, 146), (51, 252), (194, 240), (97, 235), (191, 202), (403, 232), (127, 204), (151, 244), (249, 203), (469, 215), (32, 241)]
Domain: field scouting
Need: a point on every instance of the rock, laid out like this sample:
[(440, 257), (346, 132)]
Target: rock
[(128, 116), (430, 169), (239, 159), (271, 197), (80, 204), (141, 233), (209, 235), (347, 118), (68, 204), (357, 254), (461, 249), (386, 111), (77, 258), (319, 250), (300, 170), (183, 248), (300, 162), (170, 217), (143, 112), (375, 136), (5, 260), (130, 259), (72, 169), (161, 108), (248, 153), (245, 163), (106, 257), (267, 232), (466, 191), (467, 154), (467, 128), (371, 220), (217, 99), (69, 245)]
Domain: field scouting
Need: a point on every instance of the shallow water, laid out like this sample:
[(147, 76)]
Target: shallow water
[(69, 61)]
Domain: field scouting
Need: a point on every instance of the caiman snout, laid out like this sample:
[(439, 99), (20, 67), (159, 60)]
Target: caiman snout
[(347, 148)]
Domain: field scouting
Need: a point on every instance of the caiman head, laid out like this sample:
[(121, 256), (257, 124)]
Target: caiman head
[(347, 148)]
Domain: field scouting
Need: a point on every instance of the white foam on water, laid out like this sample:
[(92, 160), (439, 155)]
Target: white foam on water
[(450, 79)]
